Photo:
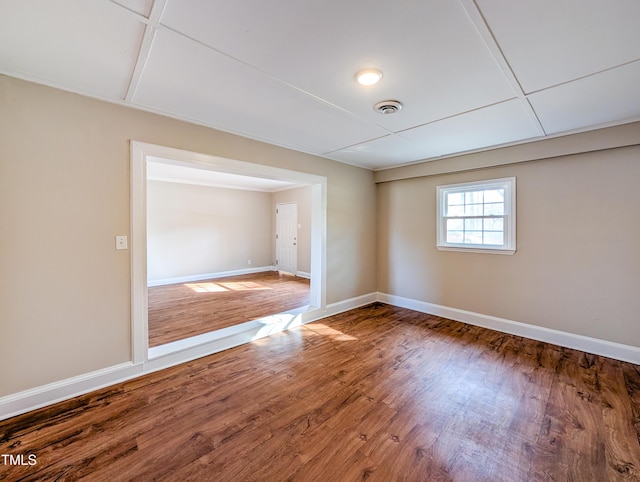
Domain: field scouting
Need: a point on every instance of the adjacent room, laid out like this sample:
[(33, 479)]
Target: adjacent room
[(319, 241), (222, 250)]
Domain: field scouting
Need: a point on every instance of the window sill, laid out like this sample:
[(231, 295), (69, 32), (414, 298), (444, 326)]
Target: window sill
[(476, 250)]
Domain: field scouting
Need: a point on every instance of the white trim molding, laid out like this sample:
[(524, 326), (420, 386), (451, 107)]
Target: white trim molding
[(206, 276), (587, 344), (140, 153), (303, 274)]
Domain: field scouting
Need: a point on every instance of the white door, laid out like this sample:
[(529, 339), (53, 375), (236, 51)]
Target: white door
[(287, 237)]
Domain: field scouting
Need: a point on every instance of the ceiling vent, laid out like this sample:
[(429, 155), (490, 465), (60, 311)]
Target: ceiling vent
[(388, 106)]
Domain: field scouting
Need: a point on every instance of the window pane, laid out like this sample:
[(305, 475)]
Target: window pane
[(473, 237), (455, 198), (473, 197), (494, 196), (473, 224), (494, 224), (455, 236), (495, 209), (455, 224), (455, 211), (473, 210), (494, 238)]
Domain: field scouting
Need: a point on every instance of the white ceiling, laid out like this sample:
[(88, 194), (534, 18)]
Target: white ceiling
[(172, 171), (472, 74)]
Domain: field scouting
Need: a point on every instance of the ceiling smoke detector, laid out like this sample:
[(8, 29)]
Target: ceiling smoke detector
[(388, 107)]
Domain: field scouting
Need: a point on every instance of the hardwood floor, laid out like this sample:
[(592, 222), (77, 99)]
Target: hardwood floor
[(378, 393), (183, 310)]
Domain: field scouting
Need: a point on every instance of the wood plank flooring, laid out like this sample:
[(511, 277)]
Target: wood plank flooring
[(183, 310), (378, 394)]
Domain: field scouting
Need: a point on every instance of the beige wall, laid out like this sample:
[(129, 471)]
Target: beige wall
[(197, 230), (577, 265), (301, 196), (64, 196)]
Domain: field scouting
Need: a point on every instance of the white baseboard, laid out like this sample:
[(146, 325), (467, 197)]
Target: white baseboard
[(205, 276), (350, 304), (303, 274), (587, 344), (170, 355), (44, 395)]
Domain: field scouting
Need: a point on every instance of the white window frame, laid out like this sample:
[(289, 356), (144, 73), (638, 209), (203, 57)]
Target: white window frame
[(509, 217)]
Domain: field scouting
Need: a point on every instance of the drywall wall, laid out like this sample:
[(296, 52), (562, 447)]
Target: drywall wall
[(64, 196), (198, 230), (301, 196), (577, 264)]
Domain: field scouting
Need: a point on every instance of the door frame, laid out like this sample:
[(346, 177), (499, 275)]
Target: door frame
[(140, 152)]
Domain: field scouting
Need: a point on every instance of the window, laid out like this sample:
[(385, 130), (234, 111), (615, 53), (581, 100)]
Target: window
[(478, 216)]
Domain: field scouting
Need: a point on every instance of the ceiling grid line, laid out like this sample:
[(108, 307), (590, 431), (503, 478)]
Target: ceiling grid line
[(141, 62), (137, 15), (359, 143), (145, 48), (582, 77), (453, 116), (489, 39)]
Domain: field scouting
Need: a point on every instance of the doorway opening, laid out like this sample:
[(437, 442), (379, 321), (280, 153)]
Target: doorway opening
[(146, 158)]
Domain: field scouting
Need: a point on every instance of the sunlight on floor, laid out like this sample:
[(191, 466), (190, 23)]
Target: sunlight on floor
[(205, 287), (244, 286), (210, 287), (277, 323), (284, 321), (324, 330)]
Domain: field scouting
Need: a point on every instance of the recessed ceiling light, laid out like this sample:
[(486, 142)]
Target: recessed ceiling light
[(368, 76)]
